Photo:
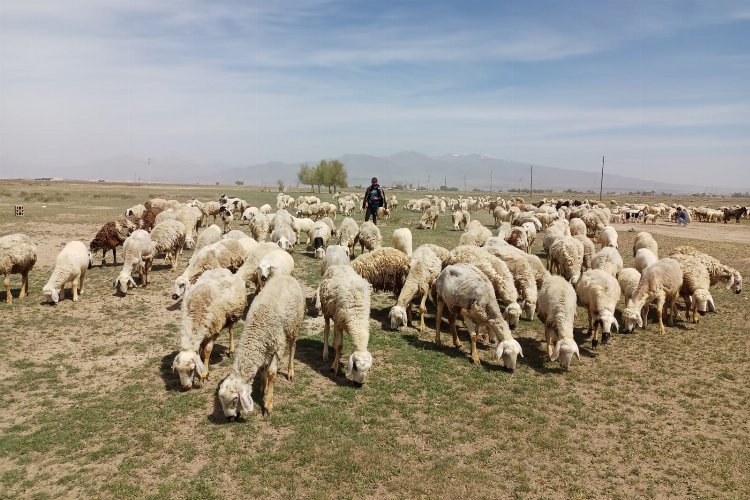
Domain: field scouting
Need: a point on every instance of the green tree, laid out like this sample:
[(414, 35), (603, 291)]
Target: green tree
[(306, 175), (337, 176)]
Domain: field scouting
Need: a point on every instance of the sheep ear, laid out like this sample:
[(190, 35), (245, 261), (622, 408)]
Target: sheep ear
[(556, 353), (731, 281), (520, 349), (617, 326), (246, 402), (199, 366), (352, 366), (174, 363), (55, 295), (131, 281), (577, 352)]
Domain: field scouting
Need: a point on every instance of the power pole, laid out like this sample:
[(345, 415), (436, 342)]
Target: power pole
[(465, 191), (148, 161), (531, 185), (601, 181), (490, 180)]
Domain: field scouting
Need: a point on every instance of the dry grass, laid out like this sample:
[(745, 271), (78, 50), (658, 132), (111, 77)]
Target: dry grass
[(91, 409)]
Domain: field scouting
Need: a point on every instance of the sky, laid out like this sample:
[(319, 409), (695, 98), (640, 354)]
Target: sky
[(662, 88)]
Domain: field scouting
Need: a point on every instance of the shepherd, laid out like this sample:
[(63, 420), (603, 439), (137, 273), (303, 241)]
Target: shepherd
[(374, 199)]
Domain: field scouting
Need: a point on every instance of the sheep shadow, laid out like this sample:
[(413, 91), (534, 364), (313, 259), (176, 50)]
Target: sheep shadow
[(172, 380), (310, 352)]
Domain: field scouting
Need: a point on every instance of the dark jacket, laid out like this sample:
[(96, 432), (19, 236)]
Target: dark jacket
[(380, 194)]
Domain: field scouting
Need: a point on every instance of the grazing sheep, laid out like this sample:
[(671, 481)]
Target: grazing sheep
[(461, 219), (336, 255), (227, 217), (135, 211), (523, 276), (695, 286), (302, 226), (217, 299), (234, 234), (441, 252), (345, 300), (645, 240), (599, 293), (17, 256), (249, 213), (260, 226), (272, 325), (402, 240), (247, 270), (285, 237), (208, 236), (577, 227), (593, 224), (660, 282), (716, 270), (281, 218), (628, 280), (519, 239), (113, 234), (169, 238), (348, 234), (274, 264), (429, 218), (385, 268), (589, 249), (476, 234), (608, 237), (139, 253), (503, 230), (644, 258), (383, 213), (566, 258), (607, 259), (230, 254), (556, 309), (424, 268), (464, 289), (70, 267), (319, 235), (369, 237)]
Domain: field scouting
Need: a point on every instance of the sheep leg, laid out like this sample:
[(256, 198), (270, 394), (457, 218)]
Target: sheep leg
[(290, 368), (231, 341), (438, 319), (270, 377), (8, 295), (74, 288), (595, 335), (80, 282), (338, 346), (588, 313), (408, 315), (549, 334), (114, 256), (474, 353), (325, 338), (659, 311), (24, 285), (422, 311), (454, 330), (207, 349)]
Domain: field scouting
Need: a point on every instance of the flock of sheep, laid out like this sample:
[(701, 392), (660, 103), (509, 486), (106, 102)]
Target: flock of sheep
[(490, 280)]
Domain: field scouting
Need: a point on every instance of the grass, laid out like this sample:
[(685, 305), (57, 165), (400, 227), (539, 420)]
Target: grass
[(91, 407)]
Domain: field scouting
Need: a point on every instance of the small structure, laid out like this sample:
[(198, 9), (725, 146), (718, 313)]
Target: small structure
[(19, 210)]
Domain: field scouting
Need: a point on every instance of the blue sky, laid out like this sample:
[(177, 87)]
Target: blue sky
[(660, 87)]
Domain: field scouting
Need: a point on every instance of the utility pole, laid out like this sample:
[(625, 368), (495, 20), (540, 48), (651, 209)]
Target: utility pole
[(465, 191), (531, 185), (601, 181), (428, 182), (490, 180), (148, 161)]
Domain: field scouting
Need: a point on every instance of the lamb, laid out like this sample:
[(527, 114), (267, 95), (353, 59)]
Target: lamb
[(285, 237), (523, 277), (208, 236), (113, 234), (566, 258), (217, 299), (556, 309), (139, 252), (429, 218), (695, 286), (645, 240), (476, 234), (402, 240), (336, 255), (589, 249), (274, 264), (273, 324), (599, 293), (169, 238), (70, 267), (607, 259), (348, 234), (461, 219), (716, 270), (229, 254), (135, 211), (463, 288), (385, 268), (424, 268), (661, 282), (497, 272), (369, 237), (17, 256), (227, 217), (644, 258), (608, 237), (383, 213), (345, 299)]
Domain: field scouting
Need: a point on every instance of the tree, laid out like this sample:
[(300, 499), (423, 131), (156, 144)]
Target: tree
[(280, 183), (306, 175), (337, 176), (321, 174), (239, 183)]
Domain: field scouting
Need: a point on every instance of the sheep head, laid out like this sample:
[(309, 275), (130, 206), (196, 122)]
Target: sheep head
[(735, 282), (234, 395), (181, 285), (397, 317), (360, 363), (285, 244), (188, 364), (508, 350), (607, 320), (631, 317), (512, 314), (564, 351), (123, 283), (529, 308), (53, 294), (701, 298), (320, 253)]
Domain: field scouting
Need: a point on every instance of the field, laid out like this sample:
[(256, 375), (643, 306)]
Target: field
[(91, 408)]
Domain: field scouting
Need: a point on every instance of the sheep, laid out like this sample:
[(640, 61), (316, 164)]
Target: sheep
[(402, 240), (530, 233), (644, 258), (135, 211), (607, 259), (17, 256), (383, 213), (285, 237), (217, 299), (319, 235), (249, 214), (461, 219), (599, 293), (608, 237), (139, 252), (336, 255), (113, 234), (345, 300), (476, 234), (273, 324), (661, 282), (70, 267), (302, 226), (260, 226), (645, 240), (441, 252), (369, 237), (503, 230), (523, 277), (169, 238), (230, 254), (234, 234), (227, 217), (329, 222), (385, 268), (429, 218), (589, 249), (208, 236), (519, 239), (577, 226), (556, 309), (695, 286), (247, 270), (716, 270), (497, 272), (274, 264), (593, 224), (463, 288), (566, 258), (424, 268), (628, 280), (348, 234), (280, 218)]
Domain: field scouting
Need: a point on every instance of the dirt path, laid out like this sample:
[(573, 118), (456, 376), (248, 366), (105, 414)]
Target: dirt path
[(738, 233)]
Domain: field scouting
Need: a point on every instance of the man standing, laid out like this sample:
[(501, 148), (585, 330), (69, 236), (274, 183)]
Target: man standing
[(374, 199)]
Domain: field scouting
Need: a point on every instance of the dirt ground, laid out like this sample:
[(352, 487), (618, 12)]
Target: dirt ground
[(738, 233)]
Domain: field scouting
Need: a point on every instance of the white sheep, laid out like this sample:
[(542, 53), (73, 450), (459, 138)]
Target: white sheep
[(402, 240), (345, 300), (234, 234), (644, 239), (274, 264), (260, 226), (556, 309), (628, 279), (336, 255), (139, 256), (716, 270), (70, 267), (599, 293), (660, 282), (608, 237), (217, 299), (523, 276), (249, 214), (476, 234), (464, 289), (695, 286), (285, 237), (577, 226), (369, 237), (429, 218), (17, 256), (248, 270), (607, 259), (169, 239), (424, 268), (226, 216), (461, 219), (135, 211), (348, 234), (589, 249), (272, 325), (230, 254), (566, 258), (644, 258), (519, 239), (208, 236)]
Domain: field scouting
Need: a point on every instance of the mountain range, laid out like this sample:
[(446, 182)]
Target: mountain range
[(409, 168)]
